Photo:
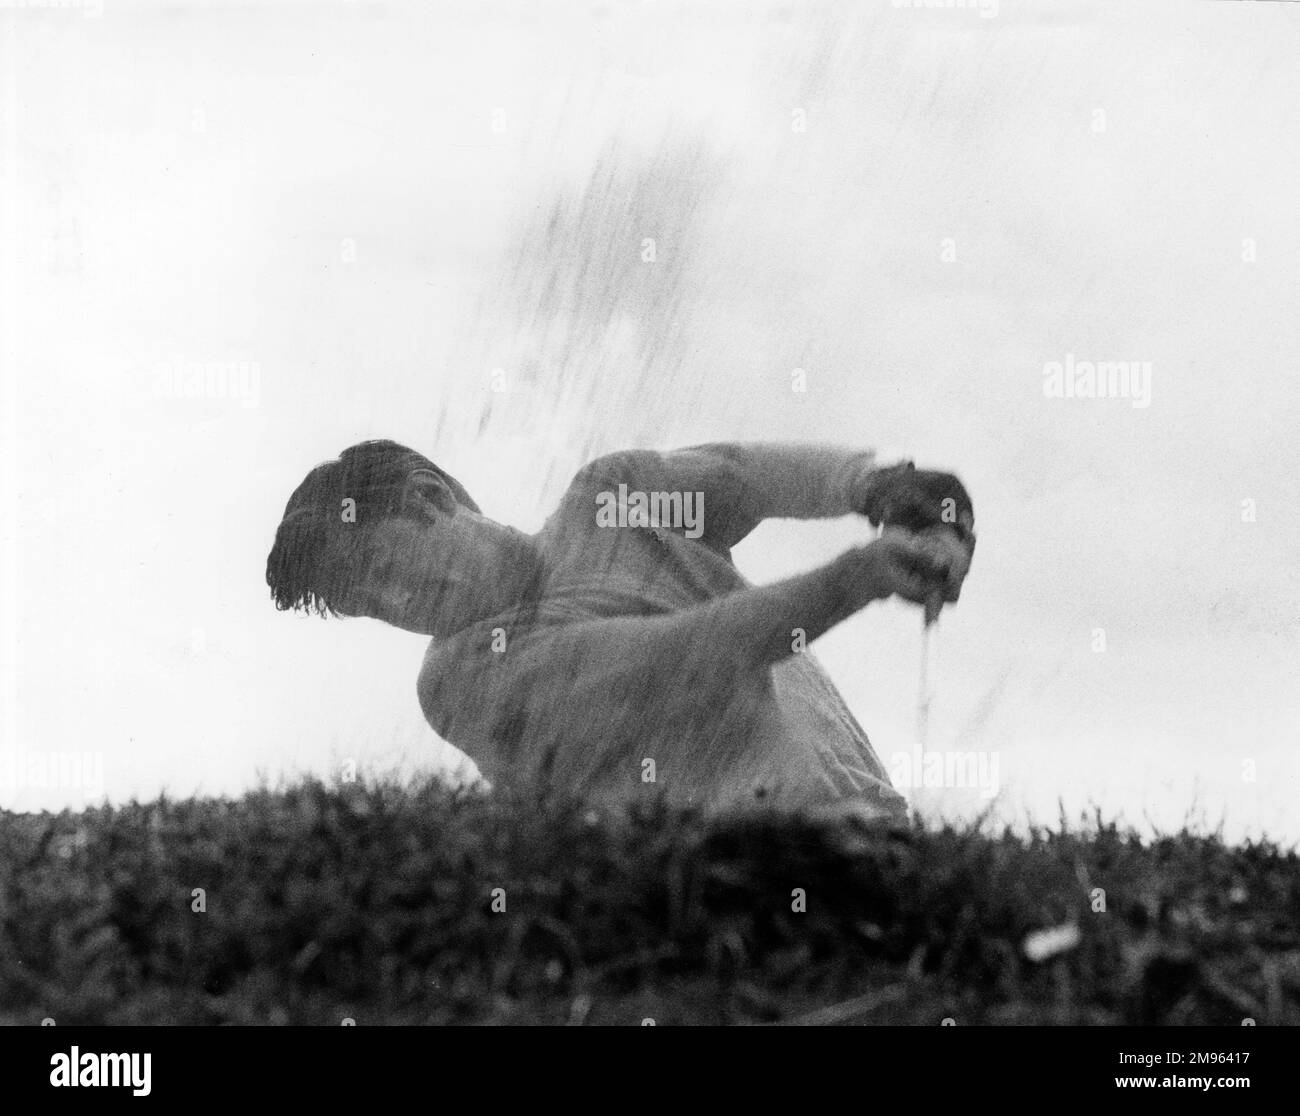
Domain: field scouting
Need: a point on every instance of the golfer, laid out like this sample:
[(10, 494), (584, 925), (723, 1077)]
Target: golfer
[(618, 653)]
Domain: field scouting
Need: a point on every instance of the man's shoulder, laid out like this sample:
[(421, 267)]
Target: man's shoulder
[(623, 511), (633, 467), (593, 485), (455, 666), (616, 466), (482, 647)]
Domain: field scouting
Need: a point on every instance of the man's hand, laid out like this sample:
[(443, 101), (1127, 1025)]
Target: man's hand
[(917, 499), (916, 567)]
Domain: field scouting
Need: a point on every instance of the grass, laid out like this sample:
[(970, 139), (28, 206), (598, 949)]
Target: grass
[(374, 901)]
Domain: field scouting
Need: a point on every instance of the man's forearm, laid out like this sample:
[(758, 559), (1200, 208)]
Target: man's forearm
[(766, 623)]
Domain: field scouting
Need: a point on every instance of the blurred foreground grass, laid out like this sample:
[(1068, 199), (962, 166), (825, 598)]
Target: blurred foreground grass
[(374, 902)]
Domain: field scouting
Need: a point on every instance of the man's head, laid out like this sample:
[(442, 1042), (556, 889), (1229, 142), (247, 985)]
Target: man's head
[(385, 533)]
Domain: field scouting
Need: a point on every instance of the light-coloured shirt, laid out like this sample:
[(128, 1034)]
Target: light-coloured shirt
[(608, 687)]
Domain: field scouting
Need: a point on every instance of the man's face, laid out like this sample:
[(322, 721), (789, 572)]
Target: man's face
[(423, 571), (390, 572)]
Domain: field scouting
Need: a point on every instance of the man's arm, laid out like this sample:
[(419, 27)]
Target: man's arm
[(705, 651), (759, 625), (744, 483)]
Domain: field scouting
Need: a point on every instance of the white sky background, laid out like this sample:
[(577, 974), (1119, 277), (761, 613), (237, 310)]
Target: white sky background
[(188, 181)]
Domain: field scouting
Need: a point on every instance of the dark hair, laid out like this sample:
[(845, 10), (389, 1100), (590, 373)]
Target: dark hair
[(373, 475)]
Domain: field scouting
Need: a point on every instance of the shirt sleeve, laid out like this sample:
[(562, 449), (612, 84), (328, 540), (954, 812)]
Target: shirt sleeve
[(741, 484)]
